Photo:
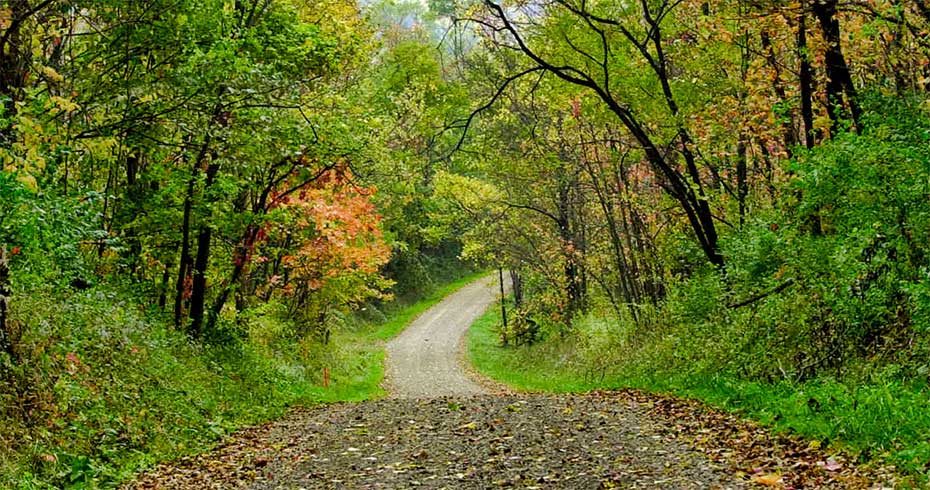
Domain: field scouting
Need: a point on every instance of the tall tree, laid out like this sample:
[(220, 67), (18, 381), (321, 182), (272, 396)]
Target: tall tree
[(588, 60)]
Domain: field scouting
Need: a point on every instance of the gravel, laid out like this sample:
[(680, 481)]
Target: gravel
[(425, 359), (528, 441), (444, 428)]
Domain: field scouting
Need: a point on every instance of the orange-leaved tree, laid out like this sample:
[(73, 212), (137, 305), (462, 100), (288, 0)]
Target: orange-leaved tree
[(338, 245)]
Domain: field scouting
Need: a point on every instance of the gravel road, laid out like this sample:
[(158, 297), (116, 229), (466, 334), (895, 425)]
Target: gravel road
[(426, 359), (526, 441), (442, 429)]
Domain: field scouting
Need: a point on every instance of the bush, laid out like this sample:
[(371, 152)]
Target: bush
[(102, 388)]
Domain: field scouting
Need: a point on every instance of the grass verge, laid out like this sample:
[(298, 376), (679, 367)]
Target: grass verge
[(880, 421), (526, 368)]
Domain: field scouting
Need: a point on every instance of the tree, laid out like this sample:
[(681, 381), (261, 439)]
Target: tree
[(588, 58), (840, 85)]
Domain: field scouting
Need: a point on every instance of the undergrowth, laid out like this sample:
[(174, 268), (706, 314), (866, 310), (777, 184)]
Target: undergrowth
[(816, 325), (104, 387)]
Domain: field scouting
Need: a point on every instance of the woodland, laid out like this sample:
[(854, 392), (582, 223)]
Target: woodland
[(211, 210)]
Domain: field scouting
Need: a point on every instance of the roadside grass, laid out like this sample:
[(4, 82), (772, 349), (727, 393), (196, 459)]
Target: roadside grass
[(543, 367), (111, 389), (880, 420)]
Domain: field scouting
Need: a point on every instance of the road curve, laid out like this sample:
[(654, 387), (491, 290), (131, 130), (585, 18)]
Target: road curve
[(425, 360)]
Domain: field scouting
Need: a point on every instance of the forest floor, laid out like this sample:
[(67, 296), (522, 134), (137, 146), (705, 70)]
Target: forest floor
[(443, 428)]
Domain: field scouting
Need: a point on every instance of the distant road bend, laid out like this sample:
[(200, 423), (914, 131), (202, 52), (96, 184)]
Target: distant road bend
[(425, 360)]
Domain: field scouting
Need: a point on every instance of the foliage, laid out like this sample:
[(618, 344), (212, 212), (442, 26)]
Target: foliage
[(730, 191), (103, 389), (820, 333), (198, 198), (107, 389)]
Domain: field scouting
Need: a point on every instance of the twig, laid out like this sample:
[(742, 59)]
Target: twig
[(783, 286)]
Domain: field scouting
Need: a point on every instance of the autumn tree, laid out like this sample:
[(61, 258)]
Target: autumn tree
[(610, 40)]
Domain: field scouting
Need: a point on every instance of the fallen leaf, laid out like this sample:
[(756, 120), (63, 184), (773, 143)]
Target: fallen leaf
[(832, 465), (771, 479)]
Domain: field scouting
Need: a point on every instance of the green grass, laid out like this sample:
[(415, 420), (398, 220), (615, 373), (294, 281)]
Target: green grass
[(883, 420), (525, 368), (118, 390)]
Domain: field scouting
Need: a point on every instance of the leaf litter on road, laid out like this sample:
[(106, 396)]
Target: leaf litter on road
[(625, 439)]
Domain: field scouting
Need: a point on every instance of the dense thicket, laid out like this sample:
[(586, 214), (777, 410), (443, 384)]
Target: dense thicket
[(737, 190), (653, 157)]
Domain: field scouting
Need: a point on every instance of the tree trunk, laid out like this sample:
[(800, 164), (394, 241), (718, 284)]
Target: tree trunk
[(627, 275), (572, 274), (184, 262), (6, 341), (516, 280), (134, 197), (15, 58), (239, 268), (202, 261), (742, 183), (500, 273), (243, 251), (839, 79), (806, 82), (788, 132)]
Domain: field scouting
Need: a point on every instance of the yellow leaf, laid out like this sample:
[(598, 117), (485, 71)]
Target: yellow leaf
[(28, 181), (65, 104), (771, 479), (52, 75)]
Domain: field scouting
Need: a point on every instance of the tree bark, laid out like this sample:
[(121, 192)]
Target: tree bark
[(15, 58), (742, 178), (806, 82), (202, 261), (241, 263), (185, 261), (516, 280), (572, 272), (788, 132), (839, 79), (500, 273), (627, 273)]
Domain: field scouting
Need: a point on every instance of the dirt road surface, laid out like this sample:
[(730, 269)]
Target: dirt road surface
[(442, 429), (426, 359)]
